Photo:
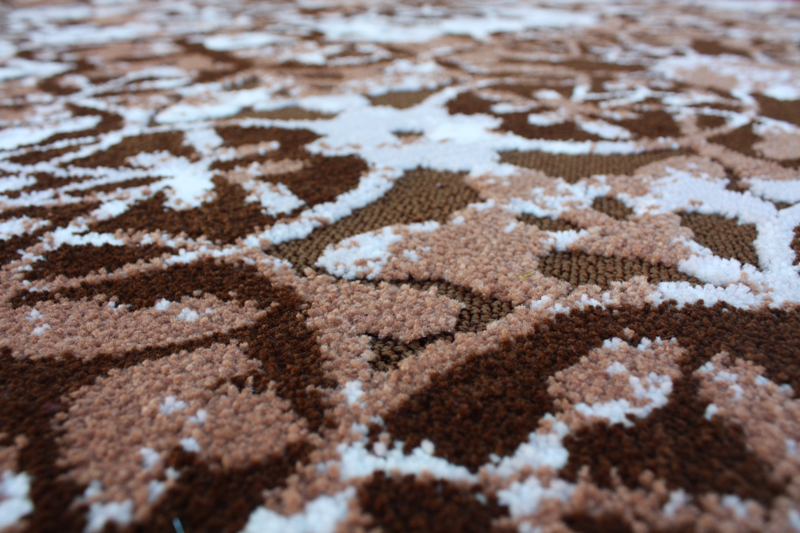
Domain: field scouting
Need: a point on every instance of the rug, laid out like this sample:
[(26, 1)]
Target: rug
[(348, 266)]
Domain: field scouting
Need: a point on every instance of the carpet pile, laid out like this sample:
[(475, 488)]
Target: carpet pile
[(359, 266)]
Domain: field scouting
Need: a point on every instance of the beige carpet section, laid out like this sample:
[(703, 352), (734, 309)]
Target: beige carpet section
[(367, 266)]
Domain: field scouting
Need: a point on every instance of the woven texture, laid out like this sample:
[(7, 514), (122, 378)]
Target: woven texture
[(345, 266)]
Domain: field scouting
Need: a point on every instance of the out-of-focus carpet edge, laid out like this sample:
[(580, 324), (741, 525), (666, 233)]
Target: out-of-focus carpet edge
[(351, 266)]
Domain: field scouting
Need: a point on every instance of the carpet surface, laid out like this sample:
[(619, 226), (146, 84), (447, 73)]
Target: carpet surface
[(352, 266)]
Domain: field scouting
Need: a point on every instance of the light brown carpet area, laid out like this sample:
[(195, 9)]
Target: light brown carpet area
[(362, 266)]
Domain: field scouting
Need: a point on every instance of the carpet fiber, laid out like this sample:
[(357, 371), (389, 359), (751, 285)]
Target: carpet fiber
[(360, 266)]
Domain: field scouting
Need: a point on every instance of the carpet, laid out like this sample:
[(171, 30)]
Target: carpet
[(349, 266)]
